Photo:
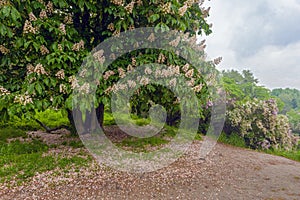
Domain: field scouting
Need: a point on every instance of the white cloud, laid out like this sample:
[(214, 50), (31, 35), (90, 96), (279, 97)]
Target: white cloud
[(276, 66), (260, 35)]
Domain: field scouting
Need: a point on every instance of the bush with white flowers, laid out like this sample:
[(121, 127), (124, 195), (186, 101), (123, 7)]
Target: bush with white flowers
[(258, 122)]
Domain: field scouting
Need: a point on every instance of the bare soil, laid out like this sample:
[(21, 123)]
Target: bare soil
[(226, 173)]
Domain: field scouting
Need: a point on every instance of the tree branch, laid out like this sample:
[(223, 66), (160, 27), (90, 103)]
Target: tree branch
[(50, 130)]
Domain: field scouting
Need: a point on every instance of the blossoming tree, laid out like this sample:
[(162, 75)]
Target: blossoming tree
[(43, 43)]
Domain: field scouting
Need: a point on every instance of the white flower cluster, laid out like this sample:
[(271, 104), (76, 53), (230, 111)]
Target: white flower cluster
[(99, 56), (39, 69), (85, 88), (175, 42), (118, 2), (3, 3), (129, 7), (161, 58), (60, 47), (116, 33), (43, 14), (68, 19), (28, 28), (63, 89), (83, 72), (168, 72), (131, 84), (151, 37), (144, 81), (148, 70), (139, 2), (166, 8), (32, 17), (173, 82), (121, 72), (74, 82), (191, 82), (23, 99), (205, 12), (30, 69), (129, 68), (49, 7), (190, 73), (258, 120), (131, 27), (108, 74), (198, 88), (4, 50), (182, 10), (44, 50), (111, 27), (60, 74), (217, 60), (133, 61), (3, 91), (62, 28), (78, 46)]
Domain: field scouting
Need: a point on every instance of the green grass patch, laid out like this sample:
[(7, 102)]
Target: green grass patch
[(73, 143), (20, 160), (51, 118), (236, 140), (293, 155), (232, 139), (18, 148), (10, 132), (108, 119)]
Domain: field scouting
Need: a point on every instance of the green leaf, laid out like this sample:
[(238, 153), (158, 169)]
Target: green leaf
[(39, 88), (3, 29), (15, 15), (31, 88), (47, 81), (6, 11), (153, 18)]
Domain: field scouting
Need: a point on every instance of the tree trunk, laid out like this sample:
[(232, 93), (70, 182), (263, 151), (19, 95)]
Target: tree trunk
[(72, 122), (100, 114)]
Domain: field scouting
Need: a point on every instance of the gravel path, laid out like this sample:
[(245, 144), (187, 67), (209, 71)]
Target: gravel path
[(227, 173)]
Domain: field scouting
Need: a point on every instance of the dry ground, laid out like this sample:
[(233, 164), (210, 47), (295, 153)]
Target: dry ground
[(227, 173)]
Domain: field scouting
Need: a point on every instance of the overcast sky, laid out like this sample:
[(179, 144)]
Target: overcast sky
[(260, 35)]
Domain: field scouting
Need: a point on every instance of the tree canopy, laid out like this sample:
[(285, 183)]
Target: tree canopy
[(43, 44)]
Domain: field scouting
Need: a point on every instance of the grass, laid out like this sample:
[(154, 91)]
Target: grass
[(293, 155), (237, 141), (233, 139), (51, 118), (20, 160), (11, 132), (74, 144)]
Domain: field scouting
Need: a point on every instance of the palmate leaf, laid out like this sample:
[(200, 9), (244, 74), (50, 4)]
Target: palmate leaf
[(90, 20)]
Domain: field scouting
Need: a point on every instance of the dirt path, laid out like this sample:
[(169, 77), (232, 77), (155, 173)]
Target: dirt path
[(227, 173)]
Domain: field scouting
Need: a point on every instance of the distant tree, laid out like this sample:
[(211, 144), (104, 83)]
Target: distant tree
[(243, 85), (290, 97)]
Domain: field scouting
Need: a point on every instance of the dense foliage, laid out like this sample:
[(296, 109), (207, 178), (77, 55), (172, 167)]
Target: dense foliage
[(43, 43), (290, 97), (291, 108), (252, 114)]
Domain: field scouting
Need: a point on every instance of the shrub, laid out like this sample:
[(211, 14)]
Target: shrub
[(260, 125)]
